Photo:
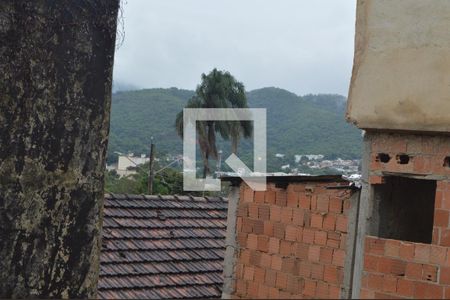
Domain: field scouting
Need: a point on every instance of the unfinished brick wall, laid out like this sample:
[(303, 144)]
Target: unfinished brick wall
[(427, 154), (429, 158), (394, 268), (403, 269), (292, 241), (441, 229)]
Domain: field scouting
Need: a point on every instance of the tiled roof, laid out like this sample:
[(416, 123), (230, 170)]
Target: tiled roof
[(162, 247)]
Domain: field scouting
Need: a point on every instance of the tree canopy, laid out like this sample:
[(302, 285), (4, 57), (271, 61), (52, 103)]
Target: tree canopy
[(218, 89)]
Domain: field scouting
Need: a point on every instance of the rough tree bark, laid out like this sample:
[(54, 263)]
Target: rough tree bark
[(56, 61)]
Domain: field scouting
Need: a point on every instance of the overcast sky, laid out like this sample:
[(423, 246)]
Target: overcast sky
[(305, 46)]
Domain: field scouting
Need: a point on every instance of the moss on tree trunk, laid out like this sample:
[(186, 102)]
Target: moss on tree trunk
[(55, 96)]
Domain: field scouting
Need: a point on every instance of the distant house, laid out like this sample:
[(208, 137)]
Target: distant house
[(127, 163), (299, 157), (160, 247), (285, 167)]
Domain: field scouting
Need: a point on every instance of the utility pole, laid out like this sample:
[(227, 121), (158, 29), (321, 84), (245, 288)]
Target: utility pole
[(151, 173), (219, 162)]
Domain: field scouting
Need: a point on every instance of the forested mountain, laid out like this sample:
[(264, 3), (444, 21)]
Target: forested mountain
[(310, 124), (136, 116)]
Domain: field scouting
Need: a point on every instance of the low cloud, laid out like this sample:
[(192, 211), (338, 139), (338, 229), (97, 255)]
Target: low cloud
[(302, 46)]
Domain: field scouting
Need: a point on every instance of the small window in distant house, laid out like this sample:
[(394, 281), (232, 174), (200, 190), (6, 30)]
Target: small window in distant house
[(404, 209)]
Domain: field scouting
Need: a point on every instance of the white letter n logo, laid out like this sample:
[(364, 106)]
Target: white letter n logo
[(256, 179)]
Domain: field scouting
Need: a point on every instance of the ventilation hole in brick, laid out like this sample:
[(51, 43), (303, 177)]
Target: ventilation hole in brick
[(309, 189), (403, 159), (383, 157), (447, 162)]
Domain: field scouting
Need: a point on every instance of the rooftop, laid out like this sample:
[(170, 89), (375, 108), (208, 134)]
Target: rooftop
[(286, 179), (162, 247)]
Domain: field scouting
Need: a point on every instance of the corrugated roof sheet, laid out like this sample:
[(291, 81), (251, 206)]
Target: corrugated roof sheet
[(161, 247)]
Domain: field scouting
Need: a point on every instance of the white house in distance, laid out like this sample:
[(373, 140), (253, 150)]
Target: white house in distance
[(127, 161)]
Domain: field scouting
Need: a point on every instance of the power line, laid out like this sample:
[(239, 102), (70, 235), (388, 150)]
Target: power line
[(145, 171), (168, 165)]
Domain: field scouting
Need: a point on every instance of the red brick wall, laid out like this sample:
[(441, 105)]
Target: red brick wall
[(427, 154), (292, 241), (404, 269), (441, 228)]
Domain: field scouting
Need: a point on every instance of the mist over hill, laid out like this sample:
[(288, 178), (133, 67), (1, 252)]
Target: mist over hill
[(310, 124)]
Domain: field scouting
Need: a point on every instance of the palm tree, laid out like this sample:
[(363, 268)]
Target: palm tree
[(218, 89)]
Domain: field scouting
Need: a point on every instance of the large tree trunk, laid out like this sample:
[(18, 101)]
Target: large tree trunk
[(55, 95)]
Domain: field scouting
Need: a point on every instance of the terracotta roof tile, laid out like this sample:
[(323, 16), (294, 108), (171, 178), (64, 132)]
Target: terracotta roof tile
[(160, 247)]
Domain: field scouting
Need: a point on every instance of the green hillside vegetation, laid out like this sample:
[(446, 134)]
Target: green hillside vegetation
[(307, 125), (136, 116), (312, 124)]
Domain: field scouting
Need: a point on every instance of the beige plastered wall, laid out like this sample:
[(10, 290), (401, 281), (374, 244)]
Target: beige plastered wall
[(401, 71)]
